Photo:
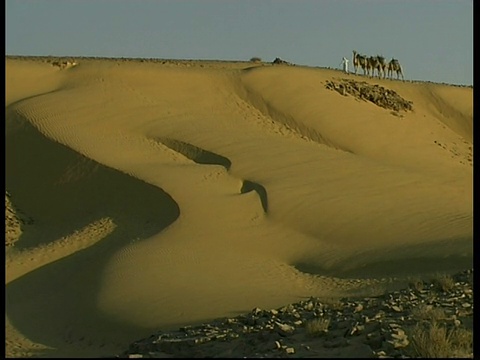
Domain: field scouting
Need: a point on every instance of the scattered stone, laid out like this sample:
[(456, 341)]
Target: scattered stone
[(15, 221), (363, 327), (359, 308), (285, 329), (376, 94)]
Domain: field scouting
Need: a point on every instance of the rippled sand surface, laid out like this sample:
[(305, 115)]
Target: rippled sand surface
[(143, 195)]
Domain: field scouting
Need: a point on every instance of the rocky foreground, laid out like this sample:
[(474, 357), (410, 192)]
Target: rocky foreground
[(370, 327)]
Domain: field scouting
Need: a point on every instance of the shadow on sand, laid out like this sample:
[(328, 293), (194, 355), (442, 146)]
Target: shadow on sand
[(62, 191)]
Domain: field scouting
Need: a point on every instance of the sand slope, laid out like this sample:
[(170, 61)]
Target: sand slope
[(155, 194)]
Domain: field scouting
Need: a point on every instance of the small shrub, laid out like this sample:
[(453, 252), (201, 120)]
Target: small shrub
[(416, 283), (432, 340), (317, 327), (255, 59), (444, 282), (375, 289), (428, 312), (462, 341), (333, 303)]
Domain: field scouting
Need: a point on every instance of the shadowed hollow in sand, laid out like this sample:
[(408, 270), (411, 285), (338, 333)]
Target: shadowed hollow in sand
[(156, 194)]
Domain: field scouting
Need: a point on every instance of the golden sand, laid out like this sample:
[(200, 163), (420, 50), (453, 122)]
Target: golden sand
[(145, 195)]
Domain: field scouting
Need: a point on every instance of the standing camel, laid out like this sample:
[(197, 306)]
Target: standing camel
[(377, 63), (382, 65), (355, 61), (359, 60), (394, 65), (372, 64)]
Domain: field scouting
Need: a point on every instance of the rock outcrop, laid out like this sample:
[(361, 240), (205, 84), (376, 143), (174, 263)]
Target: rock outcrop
[(380, 96)]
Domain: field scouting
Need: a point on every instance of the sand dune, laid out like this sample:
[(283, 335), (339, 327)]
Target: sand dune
[(150, 194)]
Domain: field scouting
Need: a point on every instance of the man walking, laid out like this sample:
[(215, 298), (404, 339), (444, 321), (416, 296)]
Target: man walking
[(345, 65)]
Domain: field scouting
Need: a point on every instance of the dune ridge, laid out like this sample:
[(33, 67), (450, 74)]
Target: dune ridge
[(168, 193)]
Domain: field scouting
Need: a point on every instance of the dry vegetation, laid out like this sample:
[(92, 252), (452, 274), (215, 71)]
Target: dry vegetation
[(436, 314), (416, 283), (443, 282), (317, 327), (430, 339), (432, 336)]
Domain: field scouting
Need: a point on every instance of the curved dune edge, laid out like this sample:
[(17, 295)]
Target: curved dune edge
[(85, 220), (164, 195)]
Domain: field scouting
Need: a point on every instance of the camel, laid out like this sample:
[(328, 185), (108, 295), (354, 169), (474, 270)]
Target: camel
[(377, 63), (382, 65), (359, 60), (372, 64), (355, 61), (394, 65), (65, 63), (369, 64)]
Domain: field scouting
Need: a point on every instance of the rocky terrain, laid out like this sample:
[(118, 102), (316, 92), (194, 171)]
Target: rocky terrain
[(15, 220), (376, 94), (369, 327)]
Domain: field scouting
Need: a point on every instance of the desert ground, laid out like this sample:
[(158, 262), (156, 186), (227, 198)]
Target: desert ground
[(144, 195)]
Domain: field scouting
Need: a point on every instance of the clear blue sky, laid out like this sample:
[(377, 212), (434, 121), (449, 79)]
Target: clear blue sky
[(433, 39)]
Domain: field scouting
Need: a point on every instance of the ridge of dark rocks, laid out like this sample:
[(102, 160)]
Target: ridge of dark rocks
[(376, 94), (360, 327)]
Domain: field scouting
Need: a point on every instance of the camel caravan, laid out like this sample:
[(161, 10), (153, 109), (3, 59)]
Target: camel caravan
[(370, 64), (63, 64)]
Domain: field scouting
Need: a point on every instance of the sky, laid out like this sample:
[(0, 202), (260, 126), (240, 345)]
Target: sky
[(432, 39)]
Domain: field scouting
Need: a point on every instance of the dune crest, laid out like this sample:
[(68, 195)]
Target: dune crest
[(165, 193)]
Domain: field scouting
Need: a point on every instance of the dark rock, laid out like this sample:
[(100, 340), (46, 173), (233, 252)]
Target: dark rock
[(357, 327)]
